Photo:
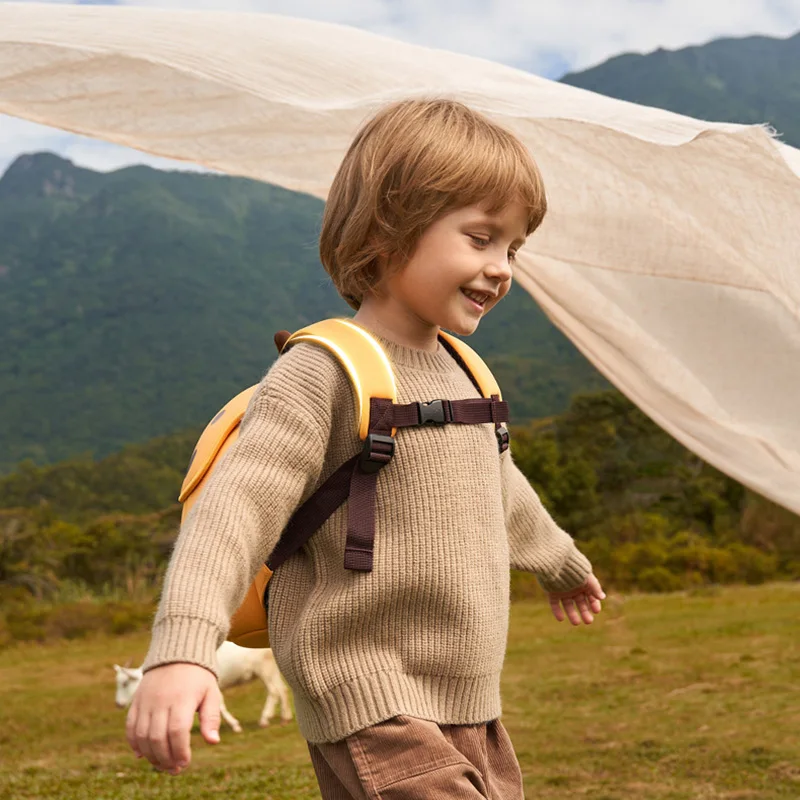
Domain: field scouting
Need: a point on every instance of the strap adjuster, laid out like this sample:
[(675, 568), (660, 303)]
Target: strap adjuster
[(431, 413), (503, 438), (377, 452)]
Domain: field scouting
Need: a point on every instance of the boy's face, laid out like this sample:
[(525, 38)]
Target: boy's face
[(460, 270)]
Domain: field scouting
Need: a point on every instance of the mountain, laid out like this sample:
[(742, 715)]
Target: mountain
[(750, 80), (136, 303)]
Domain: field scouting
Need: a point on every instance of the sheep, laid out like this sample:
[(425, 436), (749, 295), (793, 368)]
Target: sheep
[(235, 665)]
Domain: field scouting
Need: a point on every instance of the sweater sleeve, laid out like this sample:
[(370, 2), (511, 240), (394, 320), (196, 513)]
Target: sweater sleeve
[(247, 501), (536, 543)]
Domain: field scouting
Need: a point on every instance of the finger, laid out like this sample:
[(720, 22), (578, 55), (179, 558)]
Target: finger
[(178, 732), (594, 588), (583, 609), (595, 605), (569, 608), (555, 607), (157, 737), (130, 728), (142, 736), (209, 716)]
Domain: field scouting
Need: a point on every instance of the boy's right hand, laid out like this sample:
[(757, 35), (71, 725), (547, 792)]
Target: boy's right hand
[(162, 712)]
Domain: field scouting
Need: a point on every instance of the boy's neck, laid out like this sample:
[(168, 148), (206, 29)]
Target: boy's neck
[(384, 321)]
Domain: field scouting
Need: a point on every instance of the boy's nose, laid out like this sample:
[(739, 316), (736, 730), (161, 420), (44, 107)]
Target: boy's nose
[(499, 269)]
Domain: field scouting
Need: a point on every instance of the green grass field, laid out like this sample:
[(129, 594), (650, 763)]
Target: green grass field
[(672, 696)]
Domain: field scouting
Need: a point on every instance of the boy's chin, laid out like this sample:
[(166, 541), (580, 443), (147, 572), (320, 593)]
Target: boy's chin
[(463, 329)]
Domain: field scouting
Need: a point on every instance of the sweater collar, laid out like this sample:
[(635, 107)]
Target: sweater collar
[(425, 360)]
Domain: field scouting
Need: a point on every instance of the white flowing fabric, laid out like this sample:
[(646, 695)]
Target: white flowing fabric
[(668, 256)]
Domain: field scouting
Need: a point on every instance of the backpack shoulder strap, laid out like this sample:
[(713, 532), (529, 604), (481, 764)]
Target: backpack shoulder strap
[(473, 365), (360, 355), (357, 351)]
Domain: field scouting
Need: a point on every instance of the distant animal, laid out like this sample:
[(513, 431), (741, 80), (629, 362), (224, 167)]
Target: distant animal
[(235, 665)]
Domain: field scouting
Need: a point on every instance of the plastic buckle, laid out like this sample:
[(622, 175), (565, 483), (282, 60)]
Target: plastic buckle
[(377, 452), (503, 438), (431, 413)]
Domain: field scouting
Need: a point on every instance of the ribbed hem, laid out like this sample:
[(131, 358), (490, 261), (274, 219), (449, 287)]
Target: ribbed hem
[(351, 707), (573, 573), (184, 639)]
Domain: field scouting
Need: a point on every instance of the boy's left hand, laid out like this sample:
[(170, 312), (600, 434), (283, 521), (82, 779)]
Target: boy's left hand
[(578, 604)]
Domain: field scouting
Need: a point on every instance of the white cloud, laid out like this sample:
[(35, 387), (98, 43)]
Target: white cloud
[(548, 37), (528, 32)]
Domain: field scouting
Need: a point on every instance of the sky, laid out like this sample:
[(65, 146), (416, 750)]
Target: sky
[(546, 37)]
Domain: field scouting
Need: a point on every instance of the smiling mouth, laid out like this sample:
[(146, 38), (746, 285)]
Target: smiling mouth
[(478, 299)]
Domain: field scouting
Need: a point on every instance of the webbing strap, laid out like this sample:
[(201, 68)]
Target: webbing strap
[(310, 516), (377, 452), (360, 541), (357, 478), (441, 412)]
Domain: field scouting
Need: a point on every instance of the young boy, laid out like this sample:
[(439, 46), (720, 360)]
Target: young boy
[(395, 672)]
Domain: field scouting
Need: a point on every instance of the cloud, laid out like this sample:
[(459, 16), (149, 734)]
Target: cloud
[(536, 33), (548, 37)]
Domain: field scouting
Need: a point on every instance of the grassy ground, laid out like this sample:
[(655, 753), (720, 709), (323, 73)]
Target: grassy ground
[(665, 697)]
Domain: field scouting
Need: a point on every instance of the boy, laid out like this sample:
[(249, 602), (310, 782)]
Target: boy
[(395, 672)]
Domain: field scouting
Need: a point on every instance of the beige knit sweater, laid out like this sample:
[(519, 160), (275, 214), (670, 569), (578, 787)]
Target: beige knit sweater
[(424, 633)]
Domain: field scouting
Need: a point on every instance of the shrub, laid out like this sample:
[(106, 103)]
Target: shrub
[(129, 617), (691, 555), (753, 566), (34, 621), (658, 579), (75, 620), (27, 623), (629, 560)]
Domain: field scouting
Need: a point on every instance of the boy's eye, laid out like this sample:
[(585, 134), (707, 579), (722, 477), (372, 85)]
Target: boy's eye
[(479, 240), (512, 256)]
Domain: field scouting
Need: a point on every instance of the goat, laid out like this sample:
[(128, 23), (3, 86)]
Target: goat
[(235, 665)]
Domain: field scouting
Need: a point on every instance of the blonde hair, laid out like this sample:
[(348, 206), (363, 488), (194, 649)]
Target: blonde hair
[(414, 161)]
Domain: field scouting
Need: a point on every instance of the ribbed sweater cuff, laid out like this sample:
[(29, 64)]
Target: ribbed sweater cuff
[(574, 571), (184, 639)]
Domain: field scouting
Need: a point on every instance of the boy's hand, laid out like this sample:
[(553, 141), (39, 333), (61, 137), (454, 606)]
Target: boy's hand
[(579, 604), (162, 712)]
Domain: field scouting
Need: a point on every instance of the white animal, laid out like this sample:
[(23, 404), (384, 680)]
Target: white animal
[(235, 665)]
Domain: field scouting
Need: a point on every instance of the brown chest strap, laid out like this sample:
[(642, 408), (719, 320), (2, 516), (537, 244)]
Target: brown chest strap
[(357, 478)]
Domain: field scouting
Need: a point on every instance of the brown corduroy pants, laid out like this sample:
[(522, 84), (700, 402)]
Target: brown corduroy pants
[(406, 758)]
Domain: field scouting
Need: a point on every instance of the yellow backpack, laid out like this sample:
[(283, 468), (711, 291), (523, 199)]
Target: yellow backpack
[(378, 417)]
